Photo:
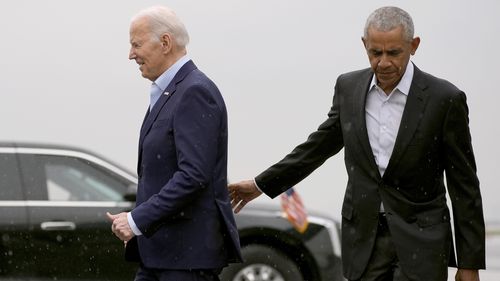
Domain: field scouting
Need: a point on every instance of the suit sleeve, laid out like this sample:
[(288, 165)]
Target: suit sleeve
[(197, 129), (325, 142), (463, 187)]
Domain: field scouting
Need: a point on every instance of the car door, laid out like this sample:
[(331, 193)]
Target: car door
[(13, 217), (69, 196)]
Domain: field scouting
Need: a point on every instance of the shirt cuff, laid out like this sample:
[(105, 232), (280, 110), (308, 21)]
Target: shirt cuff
[(254, 182), (132, 224)]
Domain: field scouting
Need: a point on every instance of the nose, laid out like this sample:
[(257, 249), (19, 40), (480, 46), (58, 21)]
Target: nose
[(384, 62), (131, 54)]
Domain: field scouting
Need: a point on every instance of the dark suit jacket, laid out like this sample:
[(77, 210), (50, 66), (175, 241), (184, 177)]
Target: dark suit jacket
[(183, 208), (433, 139)]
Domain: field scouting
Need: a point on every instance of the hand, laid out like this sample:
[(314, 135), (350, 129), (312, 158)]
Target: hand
[(241, 193), (120, 226), (467, 275)]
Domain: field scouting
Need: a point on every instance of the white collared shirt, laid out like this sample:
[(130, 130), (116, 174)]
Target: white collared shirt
[(383, 115), (161, 83)]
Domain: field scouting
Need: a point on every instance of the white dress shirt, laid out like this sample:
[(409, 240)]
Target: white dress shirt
[(383, 116), (161, 83)]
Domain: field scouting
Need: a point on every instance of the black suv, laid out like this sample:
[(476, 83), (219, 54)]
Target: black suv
[(53, 201)]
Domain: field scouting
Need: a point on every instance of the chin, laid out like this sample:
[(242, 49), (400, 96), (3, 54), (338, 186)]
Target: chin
[(145, 76)]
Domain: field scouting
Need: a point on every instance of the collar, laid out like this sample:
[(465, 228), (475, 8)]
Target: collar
[(167, 76), (405, 82)]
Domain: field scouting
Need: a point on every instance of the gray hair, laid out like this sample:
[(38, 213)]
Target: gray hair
[(164, 20), (387, 18)]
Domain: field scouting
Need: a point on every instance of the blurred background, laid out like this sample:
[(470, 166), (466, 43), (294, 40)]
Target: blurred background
[(65, 76)]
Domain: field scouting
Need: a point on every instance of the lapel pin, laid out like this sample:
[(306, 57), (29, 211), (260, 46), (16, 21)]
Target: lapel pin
[(166, 93)]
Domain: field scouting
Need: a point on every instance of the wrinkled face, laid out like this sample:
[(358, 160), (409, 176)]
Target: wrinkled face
[(389, 53), (148, 53)]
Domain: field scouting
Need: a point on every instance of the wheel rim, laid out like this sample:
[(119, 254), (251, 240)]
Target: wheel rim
[(258, 272)]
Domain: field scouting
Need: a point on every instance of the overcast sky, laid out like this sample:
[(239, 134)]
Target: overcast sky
[(66, 78)]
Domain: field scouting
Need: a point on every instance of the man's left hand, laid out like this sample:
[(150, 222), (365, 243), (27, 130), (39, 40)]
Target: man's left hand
[(467, 275), (120, 226)]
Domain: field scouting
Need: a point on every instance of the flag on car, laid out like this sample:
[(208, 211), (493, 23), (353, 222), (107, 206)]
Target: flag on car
[(294, 210)]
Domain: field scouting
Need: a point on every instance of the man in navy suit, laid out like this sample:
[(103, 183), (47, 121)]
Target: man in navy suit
[(401, 130), (182, 227)]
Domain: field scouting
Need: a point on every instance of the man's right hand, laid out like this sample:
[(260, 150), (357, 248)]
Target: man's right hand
[(241, 193), (120, 226)]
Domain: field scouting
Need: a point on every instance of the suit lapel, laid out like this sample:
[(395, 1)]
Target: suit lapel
[(361, 91), (140, 144), (414, 109), (169, 91), (153, 113)]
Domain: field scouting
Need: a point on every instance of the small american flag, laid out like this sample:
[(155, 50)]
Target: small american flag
[(294, 210)]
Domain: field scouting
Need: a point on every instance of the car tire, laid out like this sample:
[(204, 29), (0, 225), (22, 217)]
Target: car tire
[(264, 264)]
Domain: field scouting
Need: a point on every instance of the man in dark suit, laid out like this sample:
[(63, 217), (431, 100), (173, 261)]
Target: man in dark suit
[(183, 225), (402, 130)]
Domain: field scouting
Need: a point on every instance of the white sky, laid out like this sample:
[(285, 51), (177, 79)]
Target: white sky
[(66, 78)]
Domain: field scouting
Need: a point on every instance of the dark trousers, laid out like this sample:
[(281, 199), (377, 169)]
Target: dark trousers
[(383, 264), (148, 274)]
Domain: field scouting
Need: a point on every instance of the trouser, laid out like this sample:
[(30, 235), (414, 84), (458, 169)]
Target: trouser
[(383, 264)]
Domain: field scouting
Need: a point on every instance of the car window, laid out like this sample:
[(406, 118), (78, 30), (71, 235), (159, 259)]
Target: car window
[(64, 178), (10, 182)]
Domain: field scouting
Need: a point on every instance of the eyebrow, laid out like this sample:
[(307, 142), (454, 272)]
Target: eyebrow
[(389, 51)]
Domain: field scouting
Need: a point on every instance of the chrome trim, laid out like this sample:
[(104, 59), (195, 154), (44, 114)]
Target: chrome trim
[(258, 271), (57, 225), (7, 150), (262, 213), (72, 153), (84, 204)]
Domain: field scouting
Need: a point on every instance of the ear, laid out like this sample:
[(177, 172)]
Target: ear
[(414, 45), (166, 41)]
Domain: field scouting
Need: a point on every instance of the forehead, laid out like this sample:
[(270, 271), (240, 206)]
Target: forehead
[(392, 38), (139, 29)]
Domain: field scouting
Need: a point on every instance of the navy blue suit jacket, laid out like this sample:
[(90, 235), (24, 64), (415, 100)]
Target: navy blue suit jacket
[(183, 208)]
